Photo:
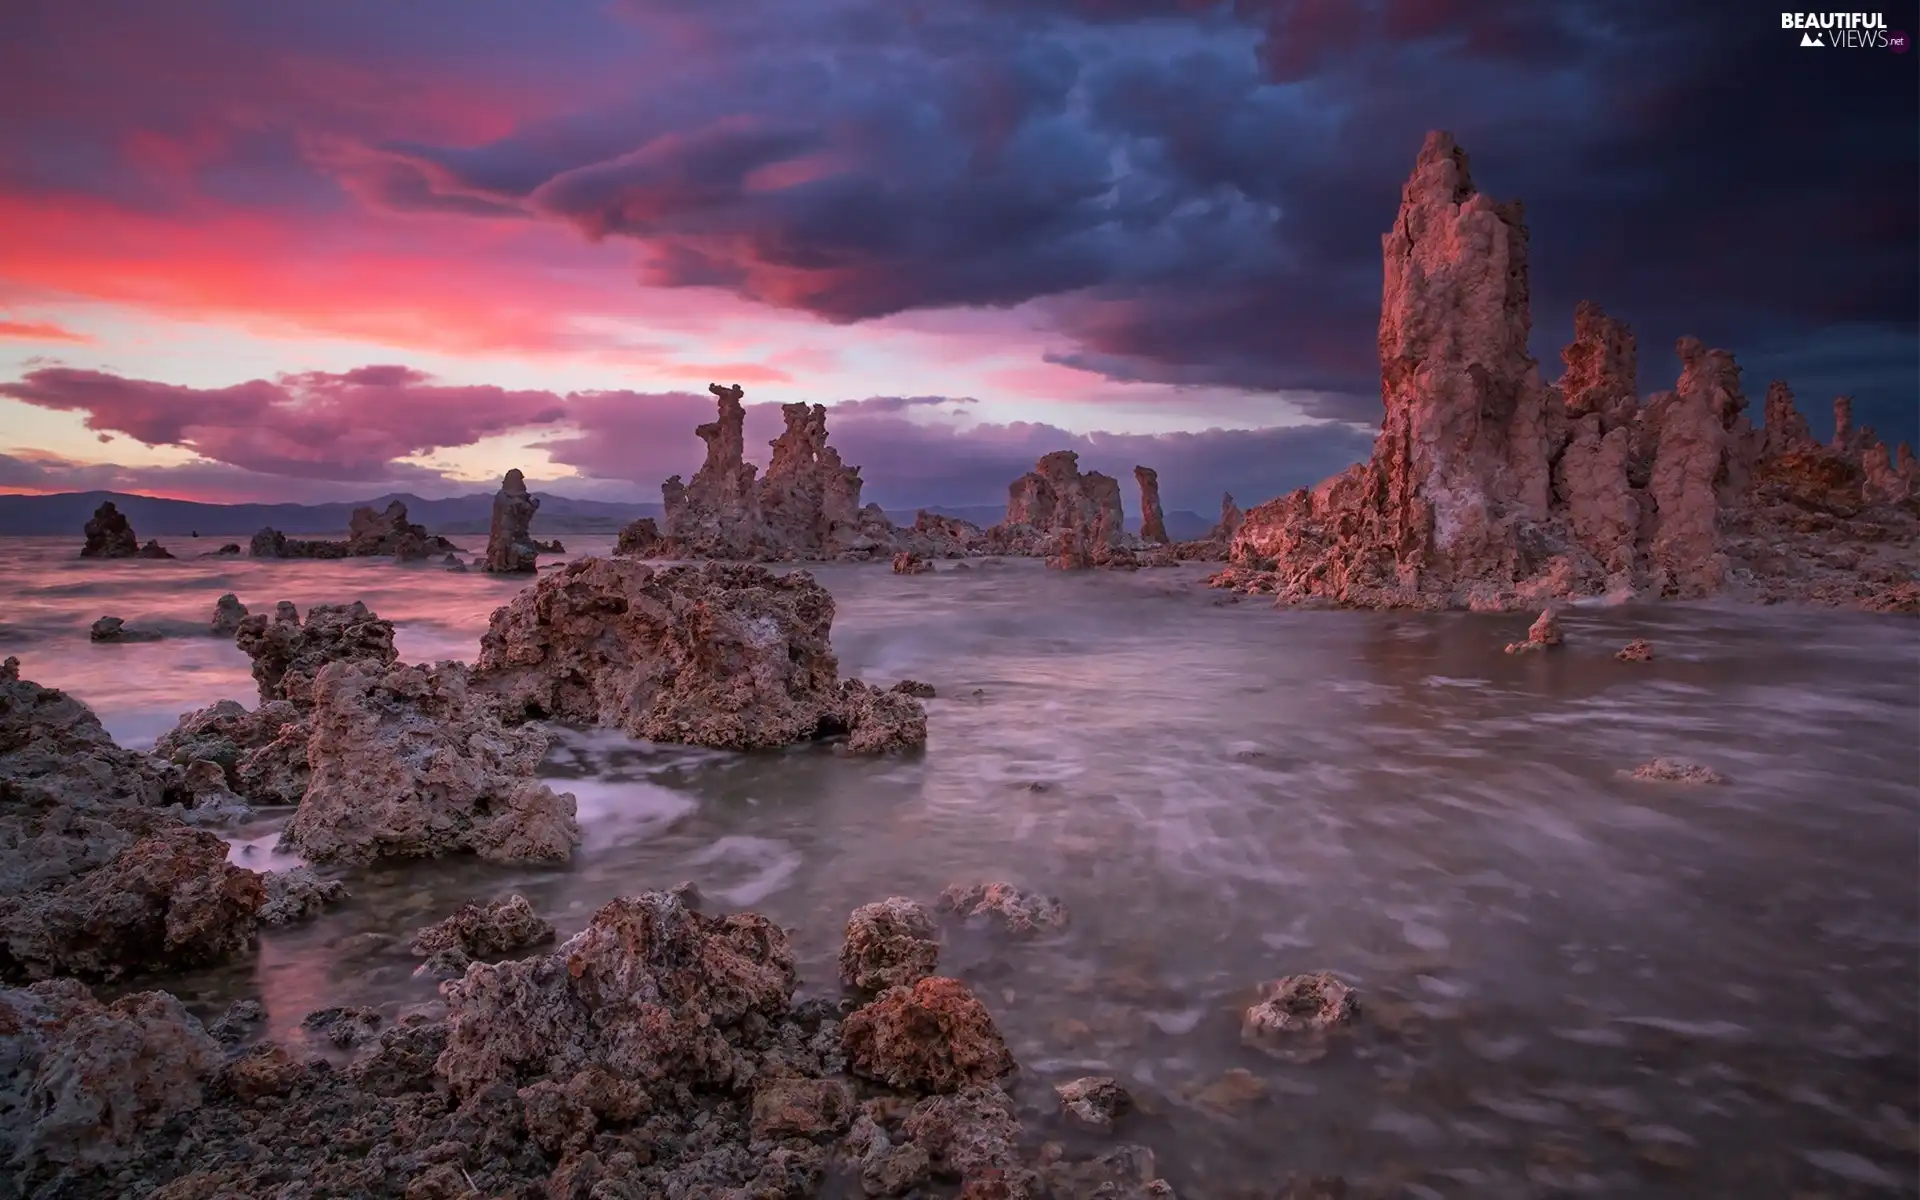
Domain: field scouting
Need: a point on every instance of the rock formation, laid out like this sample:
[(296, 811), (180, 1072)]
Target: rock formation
[(735, 657), (1153, 522), (481, 933), (1073, 519), (99, 876), (288, 653), (262, 753), (409, 762), (228, 612), (115, 629), (109, 534), (370, 533), (1489, 489), (890, 943), (511, 549)]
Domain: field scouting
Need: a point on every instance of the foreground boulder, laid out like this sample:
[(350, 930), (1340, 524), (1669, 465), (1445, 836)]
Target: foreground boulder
[(99, 875), (511, 549), (262, 752), (1488, 489), (96, 1078), (931, 1037), (890, 943), (734, 657), (109, 534), (482, 933), (409, 762)]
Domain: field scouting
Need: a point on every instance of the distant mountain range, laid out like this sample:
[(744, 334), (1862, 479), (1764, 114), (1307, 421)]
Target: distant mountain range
[(66, 513)]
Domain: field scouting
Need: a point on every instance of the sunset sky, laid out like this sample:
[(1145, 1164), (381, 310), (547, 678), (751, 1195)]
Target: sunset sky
[(256, 250)]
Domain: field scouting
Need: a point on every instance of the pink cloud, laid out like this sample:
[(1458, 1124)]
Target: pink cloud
[(312, 425), (39, 331)]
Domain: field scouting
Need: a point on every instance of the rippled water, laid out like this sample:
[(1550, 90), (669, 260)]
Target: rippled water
[(1574, 983)]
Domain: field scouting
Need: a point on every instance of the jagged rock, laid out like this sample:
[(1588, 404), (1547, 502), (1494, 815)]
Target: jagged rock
[(890, 943), (482, 933), (1075, 519), (972, 1134), (556, 546), (228, 612), (1673, 770), (297, 894), (1020, 913), (907, 562), (409, 762), (345, 1027), (933, 535), (914, 688), (511, 549), (1096, 1101), (81, 1082), (1543, 634), (804, 1108), (1296, 1015), (1488, 490), (735, 657), (113, 629), (228, 550), (640, 539), (99, 877), (931, 1037), (650, 990), (1153, 521), (1125, 1172), (109, 535), (153, 549), (1638, 650), (263, 753), (287, 654)]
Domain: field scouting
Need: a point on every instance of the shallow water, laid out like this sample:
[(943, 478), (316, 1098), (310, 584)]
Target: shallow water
[(1574, 983)]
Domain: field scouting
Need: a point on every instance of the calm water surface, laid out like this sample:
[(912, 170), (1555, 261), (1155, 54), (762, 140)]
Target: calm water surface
[(1575, 984)]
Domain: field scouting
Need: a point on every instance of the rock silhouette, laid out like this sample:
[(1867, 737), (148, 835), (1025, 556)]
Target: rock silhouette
[(511, 549)]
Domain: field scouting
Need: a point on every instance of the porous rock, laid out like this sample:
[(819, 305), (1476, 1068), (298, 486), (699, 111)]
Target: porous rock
[(1014, 910), (511, 549), (890, 943), (1637, 651), (1296, 1015), (81, 1082), (1072, 518), (410, 762), (1490, 490), (1674, 770), (288, 653), (1096, 1101), (298, 894), (932, 1037), (113, 629), (730, 656), (1153, 521), (1543, 634), (262, 752), (370, 533), (908, 562), (483, 933)]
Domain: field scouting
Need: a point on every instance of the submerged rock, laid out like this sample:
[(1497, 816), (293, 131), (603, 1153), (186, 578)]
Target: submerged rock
[(734, 657), (1096, 1101), (914, 688), (511, 549), (890, 943), (482, 933), (1296, 1014), (1020, 913), (113, 629), (931, 1037), (1543, 634), (1637, 650), (909, 562), (1674, 770), (410, 762), (297, 894), (370, 533)]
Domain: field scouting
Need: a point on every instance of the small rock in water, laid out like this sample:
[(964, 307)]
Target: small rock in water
[(892, 943), (345, 1027), (907, 562), (297, 894), (1638, 650), (1022, 914), (228, 612), (232, 1026), (1674, 770), (483, 933), (1234, 1090), (1096, 1101), (914, 688), (1543, 634), (1296, 1014), (113, 629)]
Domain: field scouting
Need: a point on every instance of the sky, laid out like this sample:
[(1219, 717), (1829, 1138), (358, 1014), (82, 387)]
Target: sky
[(303, 252)]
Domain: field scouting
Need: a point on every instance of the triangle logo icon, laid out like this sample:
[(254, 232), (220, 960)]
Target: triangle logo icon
[(1811, 39)]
